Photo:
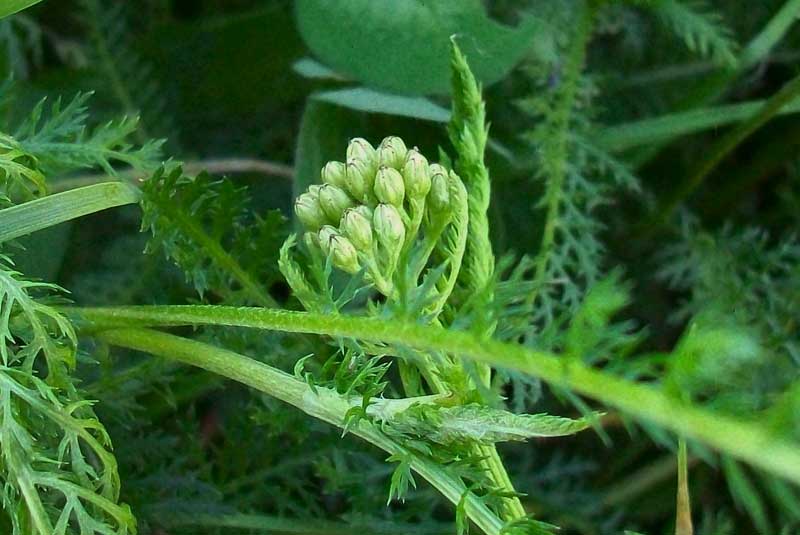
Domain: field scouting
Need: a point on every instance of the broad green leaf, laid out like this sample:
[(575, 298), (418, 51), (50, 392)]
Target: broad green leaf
[(9, 7), (369, 100), (403, 45), (311, 68)]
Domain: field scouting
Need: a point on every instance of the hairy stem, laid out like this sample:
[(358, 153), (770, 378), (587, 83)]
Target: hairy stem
[(320, 403), (748, 440)]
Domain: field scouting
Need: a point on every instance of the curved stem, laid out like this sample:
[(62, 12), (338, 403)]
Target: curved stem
[(749, 440), (320, 403)]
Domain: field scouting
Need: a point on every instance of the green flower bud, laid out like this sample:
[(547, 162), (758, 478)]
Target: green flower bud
[(392, 152), (343, 254), (326, 233), (439, 196), (416, 175), (334, 201), (389, 187), (360, 149), (334, 173), (357, 228), (358, 179), (364, 210), (309, 211), (389, 227)]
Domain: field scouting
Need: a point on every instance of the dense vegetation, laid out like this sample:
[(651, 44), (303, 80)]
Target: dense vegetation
[(399, 267)]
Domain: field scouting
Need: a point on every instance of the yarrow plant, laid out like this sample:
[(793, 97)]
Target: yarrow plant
[(545, 392)]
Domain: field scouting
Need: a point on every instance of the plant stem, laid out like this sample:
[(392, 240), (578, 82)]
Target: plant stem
[(214, 166), (725, 146), (321, 403), (683, 506), (755, 51), (277, 524), (748, 440), (624, 136)]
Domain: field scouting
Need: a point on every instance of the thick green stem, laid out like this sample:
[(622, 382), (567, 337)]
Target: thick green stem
[(285, 526), (320, 403), (748, 440)]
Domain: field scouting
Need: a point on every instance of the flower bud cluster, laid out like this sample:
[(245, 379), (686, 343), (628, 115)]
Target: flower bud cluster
[(360, 210)]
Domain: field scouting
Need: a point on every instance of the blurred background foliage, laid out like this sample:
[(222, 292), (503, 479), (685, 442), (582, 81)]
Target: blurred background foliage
[(266, 91)]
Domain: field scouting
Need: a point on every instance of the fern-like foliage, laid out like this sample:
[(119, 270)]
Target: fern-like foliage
[(62, 142), (56, 140), (20, 45), (742, 297), (59, 475), (206, 228), (577, 177), (701, 28)]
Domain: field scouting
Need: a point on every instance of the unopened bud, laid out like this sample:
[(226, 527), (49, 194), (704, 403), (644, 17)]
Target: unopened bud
[(360, 149), (334, 201), (326, 233), (334, 173), (357, 228), (343, 254), (389, 187), (416, 175), (358, 179), (389, 227), (364, 210), (309, 211), (439, 196), (392, 152)]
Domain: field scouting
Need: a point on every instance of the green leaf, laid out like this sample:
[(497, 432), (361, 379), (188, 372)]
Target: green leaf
[(48, 211), (372, 101), (206, 227), (9, 7), (702, 29), (402, 45), (474, 422), (55, 456)]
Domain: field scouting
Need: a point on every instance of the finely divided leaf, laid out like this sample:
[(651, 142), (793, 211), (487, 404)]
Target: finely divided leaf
[(466, 423), (59, 475)]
